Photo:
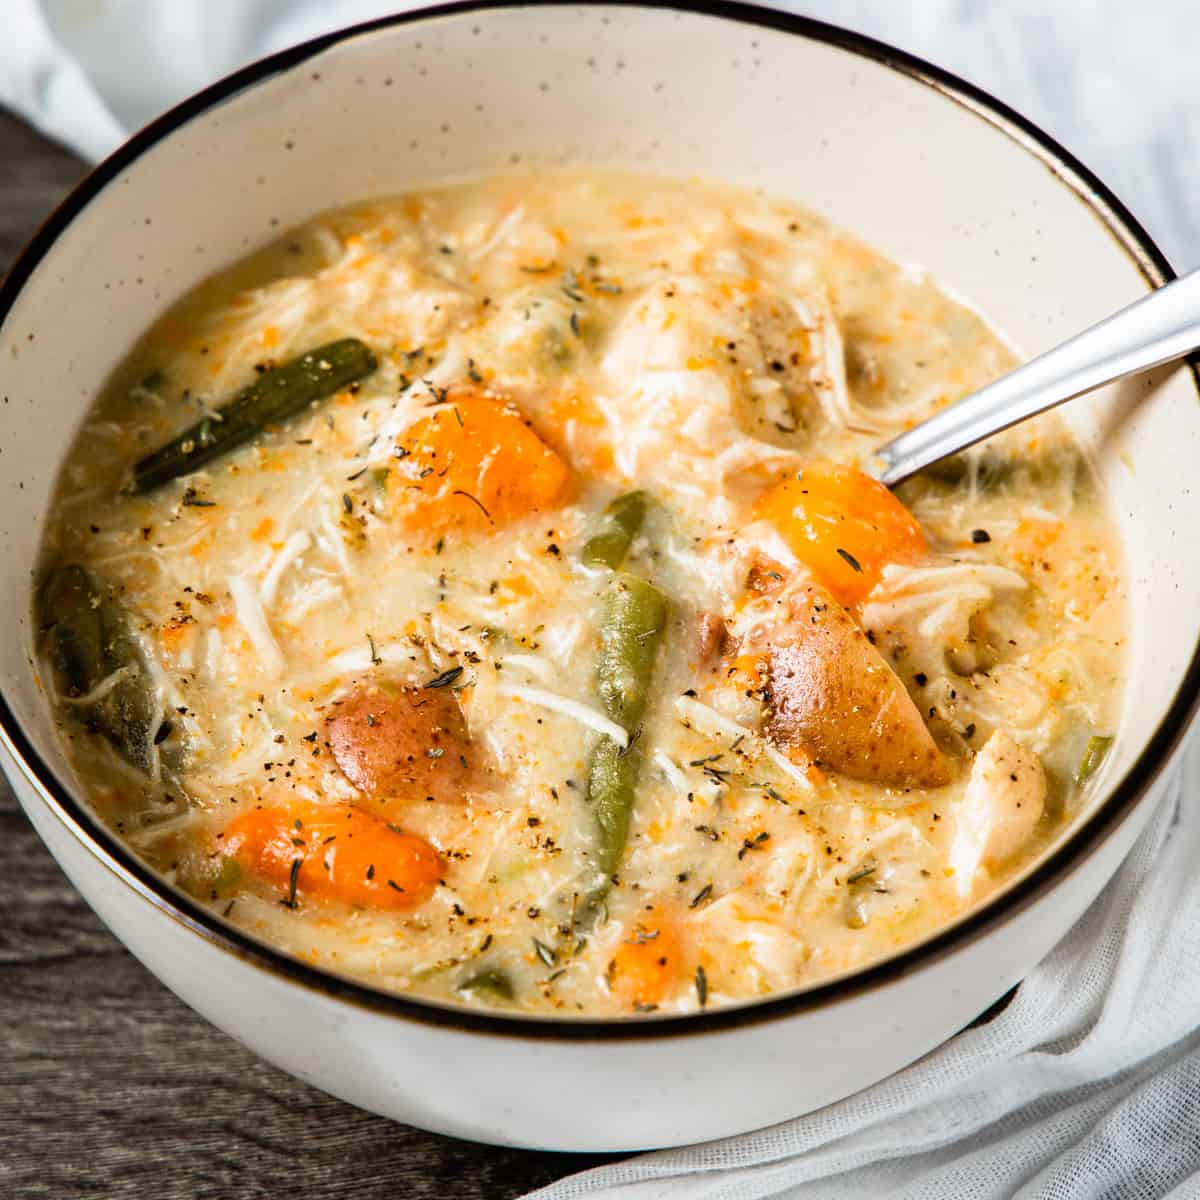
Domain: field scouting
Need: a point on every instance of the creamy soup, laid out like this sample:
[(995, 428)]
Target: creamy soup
[(479, 593)]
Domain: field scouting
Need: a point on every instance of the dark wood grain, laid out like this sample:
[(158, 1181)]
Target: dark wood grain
[(109, 1086)]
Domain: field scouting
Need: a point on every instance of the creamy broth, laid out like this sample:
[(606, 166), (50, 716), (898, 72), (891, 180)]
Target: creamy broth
[(371, 687)]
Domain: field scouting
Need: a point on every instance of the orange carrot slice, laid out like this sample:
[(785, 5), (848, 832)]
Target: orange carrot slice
[(476, 465), (334, 853), (843, 525), (648, 963)]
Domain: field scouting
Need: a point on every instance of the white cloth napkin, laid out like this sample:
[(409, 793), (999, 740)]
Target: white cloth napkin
[(1088, 1084)]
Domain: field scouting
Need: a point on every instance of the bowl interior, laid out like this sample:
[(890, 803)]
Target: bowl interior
[(900, 159)]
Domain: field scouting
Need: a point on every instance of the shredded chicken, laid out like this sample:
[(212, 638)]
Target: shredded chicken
[(999, 810)]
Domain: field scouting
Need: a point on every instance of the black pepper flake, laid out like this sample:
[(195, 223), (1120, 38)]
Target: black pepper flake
[(570, 287), (347, 503), (192, 499), (701, 986), (754, 843), (770, 791), (920, 679), (979, 536), (371, 871), (445, 678), (702, 895), (474, 500), (394, 886), (854, 563), (290, 902)]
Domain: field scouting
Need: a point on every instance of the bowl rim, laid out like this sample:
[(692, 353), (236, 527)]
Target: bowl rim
[(1107, 817)]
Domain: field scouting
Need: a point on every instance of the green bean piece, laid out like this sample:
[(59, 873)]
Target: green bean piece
[(88, 638), (612, 782), (494, 982), (986, 470), (228, 876), (275, 395), (69, 615), (1093, 755), (631, 629), (614, 532)]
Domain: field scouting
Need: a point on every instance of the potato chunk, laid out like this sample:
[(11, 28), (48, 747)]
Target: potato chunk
[(407, 743), (833, 695)]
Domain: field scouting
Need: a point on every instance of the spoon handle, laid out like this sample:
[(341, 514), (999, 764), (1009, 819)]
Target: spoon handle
[(1161, 326)]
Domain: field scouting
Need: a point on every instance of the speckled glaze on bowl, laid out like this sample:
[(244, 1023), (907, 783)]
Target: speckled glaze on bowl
[(926, 167)]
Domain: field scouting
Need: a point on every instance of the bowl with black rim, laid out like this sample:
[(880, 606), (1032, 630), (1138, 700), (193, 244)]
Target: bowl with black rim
[(922, 165)]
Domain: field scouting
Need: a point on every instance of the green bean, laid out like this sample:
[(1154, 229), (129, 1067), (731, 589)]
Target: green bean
[(1093, 755), (631, 628), (985, 470), (68, 614), (614, 531), (227, 877), (275, 395), (490, 981), (88, 638), (989, 468), (611, 789)]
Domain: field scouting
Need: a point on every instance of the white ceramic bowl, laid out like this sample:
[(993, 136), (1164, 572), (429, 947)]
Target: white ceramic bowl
[(927, 168)]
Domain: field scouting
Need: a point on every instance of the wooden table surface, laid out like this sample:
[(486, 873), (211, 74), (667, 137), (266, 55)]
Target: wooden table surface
[(109, 1085)]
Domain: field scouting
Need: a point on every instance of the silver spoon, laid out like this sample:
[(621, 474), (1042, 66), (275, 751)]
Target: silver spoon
[(1156, 329)]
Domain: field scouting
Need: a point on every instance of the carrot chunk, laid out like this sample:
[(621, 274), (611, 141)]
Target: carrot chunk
[(648, 963), (476, 465), (334, 853), (843, 525)]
